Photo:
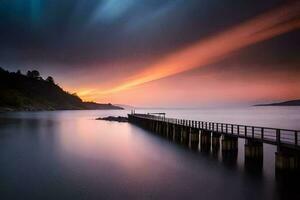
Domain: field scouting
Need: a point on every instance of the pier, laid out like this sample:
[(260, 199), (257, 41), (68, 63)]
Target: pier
[(212, 136)]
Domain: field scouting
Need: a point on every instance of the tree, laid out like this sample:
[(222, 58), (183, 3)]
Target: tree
[(50, 79), (29, 74), (34, 74), (19, 72)]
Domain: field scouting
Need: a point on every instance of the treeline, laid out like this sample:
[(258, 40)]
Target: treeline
[(32, 92), (32, 74)]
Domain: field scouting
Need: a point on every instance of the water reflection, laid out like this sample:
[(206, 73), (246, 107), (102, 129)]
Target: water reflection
[(68, 155), (209, 146)]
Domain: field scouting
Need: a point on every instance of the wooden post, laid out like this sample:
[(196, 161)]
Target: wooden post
[(262, 133), (296, 138), (226, 128), (278, 136)]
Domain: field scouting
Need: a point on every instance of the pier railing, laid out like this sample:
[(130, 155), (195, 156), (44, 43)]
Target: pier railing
[(284, 137)]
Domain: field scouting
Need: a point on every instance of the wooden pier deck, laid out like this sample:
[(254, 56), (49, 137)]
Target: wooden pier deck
[(275, 136), (211, 136)]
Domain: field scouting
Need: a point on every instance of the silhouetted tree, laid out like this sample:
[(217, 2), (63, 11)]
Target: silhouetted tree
[(50, 79), (29, 74), (19, 72), (23, 93), (34, 74)]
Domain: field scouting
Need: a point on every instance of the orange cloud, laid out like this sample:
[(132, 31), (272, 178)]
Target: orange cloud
[(278, 21)]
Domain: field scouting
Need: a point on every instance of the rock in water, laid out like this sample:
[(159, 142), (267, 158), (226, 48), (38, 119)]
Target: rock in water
[(112, 118)]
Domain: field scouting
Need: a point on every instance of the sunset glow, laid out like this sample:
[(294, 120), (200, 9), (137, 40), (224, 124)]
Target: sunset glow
[(212, 49), (168, 53)]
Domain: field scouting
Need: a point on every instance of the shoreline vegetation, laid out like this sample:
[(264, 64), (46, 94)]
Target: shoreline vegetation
[(30, 92)]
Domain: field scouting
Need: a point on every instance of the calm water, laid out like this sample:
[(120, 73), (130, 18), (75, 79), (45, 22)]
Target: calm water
[(69, 155)]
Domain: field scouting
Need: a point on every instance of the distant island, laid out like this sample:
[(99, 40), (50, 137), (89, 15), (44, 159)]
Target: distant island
[(284, 103), (30, 92)]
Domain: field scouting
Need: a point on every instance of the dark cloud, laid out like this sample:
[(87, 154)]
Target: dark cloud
[(76, 33)]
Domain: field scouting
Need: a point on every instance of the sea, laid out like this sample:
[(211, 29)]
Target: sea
[(70, 155)]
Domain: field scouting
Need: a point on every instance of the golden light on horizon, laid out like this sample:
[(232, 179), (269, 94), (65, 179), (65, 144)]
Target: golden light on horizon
[(206, 51)]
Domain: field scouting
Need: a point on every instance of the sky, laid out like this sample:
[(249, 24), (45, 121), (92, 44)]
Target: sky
[(158, 53)]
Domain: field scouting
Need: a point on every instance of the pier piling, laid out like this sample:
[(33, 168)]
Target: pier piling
[(287, 160), (194, 135), (253, 155), (215, 142), (205, 141)]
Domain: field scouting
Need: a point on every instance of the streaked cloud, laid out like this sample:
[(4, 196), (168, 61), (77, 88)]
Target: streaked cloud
[(119, 48), (109, 10), (203, 52)]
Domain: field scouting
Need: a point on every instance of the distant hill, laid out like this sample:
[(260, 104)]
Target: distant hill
[(284, 103), (31, 92)]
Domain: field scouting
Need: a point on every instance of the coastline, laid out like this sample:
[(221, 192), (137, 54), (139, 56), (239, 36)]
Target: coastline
[(7, 109), (295, 102), (278, 105)]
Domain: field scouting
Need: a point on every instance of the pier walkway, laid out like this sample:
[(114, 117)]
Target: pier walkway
[(211, 134)]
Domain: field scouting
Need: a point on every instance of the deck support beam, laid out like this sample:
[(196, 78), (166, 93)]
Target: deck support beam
[(253, 155), (215, 142), (165, 129), (287, 162), (229, 149), (170, 131), (185, 133), (229, 143), (205, 141), (177, 133), (194, 135)]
